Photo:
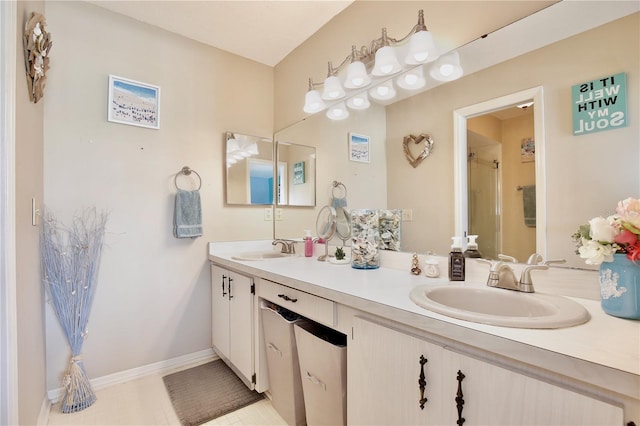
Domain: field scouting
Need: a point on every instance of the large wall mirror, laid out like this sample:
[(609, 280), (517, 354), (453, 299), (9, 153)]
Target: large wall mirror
[(566, 171), (296, 177), (249, 165)]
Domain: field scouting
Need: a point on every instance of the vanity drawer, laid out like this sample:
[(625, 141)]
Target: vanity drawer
[(310, 306)]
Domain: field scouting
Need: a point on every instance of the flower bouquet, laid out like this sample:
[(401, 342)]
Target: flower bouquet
[(601, 238), (613, 244)]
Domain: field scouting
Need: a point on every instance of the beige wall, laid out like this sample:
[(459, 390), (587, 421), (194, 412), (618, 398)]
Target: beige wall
[(153, 296), (29, 184), (518, 240)]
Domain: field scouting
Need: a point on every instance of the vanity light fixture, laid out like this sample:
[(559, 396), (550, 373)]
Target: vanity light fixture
[(239, 148), (386, 62), (412, 80), (359, 101), (381, 58), (338, 112), (447, 67), (313, 101), (383, 92), (357, 76), (332, 87)]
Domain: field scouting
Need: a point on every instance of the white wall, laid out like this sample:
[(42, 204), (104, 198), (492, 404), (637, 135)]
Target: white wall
[(153, 296)]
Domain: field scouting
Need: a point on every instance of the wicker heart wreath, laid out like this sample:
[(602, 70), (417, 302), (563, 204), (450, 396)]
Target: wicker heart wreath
[(423, 138)]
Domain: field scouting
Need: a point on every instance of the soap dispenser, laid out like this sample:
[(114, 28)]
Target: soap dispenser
[(308, 243), (472, 248), (456, 261)]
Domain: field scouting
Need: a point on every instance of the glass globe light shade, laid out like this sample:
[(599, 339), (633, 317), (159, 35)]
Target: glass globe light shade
[(337, 112), (386, 62), (357, 76), (332, 89), (313, 102), (422, 48)]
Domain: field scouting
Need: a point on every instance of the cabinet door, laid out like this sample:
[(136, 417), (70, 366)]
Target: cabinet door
[(220, 310), (495, 395), (384, 374), (241, 324)]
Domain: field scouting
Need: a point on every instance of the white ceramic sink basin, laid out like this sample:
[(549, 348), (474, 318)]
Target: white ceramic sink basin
[(501, 307), (259, 255)]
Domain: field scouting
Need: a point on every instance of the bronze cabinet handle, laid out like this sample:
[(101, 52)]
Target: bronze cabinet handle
[(422, 382)]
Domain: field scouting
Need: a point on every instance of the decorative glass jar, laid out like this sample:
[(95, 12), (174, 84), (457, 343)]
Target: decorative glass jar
[(365, 239)]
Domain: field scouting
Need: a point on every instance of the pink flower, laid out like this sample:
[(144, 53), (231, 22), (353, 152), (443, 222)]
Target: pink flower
[(626, 238), (629, 212)]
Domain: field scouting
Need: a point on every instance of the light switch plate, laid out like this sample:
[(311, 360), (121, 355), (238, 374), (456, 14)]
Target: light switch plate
[(279, 214), (268, 213), (407, 215)]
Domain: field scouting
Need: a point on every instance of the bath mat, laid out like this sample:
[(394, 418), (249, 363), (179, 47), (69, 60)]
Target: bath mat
[(206, 392)]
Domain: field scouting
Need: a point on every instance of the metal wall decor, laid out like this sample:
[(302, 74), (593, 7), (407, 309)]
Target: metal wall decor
[(424, 139), (37, 45)]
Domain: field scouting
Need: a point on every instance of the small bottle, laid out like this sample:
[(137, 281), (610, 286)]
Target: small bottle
[(456, 261), (308, 243), (472, 248)]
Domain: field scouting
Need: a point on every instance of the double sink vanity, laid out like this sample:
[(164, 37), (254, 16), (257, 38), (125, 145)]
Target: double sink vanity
[(426, 351)]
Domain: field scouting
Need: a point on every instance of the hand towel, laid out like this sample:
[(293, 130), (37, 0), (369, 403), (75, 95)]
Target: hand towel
[(187, 215), (529, 204)]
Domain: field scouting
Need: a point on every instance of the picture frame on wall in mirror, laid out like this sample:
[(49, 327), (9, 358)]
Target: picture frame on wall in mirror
[(359, 148), (298, 173), (134, 103)]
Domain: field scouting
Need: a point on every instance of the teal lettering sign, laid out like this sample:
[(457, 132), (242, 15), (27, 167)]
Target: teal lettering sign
[(599, 104), (298, 173)]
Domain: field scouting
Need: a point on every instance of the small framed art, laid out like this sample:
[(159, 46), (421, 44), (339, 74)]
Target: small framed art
[(358, 148), (134, 103)]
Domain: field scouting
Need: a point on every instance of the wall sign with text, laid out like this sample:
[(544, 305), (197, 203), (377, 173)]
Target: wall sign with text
[(298, 173), (600, 104)]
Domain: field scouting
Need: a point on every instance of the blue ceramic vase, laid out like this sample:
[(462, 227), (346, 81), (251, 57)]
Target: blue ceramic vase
[(620, 287)]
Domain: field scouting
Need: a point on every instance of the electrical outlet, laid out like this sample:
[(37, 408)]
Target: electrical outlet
[(279, 214), (407, 215), (268, 213)]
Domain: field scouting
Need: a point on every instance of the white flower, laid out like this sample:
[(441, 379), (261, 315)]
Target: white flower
[(602, 229), (596, 253)]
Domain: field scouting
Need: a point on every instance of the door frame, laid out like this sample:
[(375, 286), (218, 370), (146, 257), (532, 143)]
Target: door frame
[(8, 298), (460, 159)]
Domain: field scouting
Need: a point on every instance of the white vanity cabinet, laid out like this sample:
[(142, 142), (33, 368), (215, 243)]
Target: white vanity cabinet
[(384, 381), (232, 305)]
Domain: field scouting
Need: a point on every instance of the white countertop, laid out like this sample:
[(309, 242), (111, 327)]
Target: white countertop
[(608, 344)]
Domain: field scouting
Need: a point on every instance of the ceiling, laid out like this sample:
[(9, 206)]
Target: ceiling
[(265, 31)]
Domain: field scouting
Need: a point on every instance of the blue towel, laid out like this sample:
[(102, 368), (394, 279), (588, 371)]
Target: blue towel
[(529, 205), (187, 215)]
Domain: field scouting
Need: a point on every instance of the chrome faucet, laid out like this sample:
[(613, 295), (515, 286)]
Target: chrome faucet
[(501, 276), (288, 246)]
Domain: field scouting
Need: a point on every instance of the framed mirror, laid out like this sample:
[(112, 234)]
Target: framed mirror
[(249, 169), (296, 174)]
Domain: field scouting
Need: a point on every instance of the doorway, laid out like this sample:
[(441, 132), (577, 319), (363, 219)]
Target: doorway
[(462, 117)]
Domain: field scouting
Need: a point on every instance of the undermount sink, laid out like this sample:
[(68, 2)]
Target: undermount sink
[(505, 308), (259, 255)]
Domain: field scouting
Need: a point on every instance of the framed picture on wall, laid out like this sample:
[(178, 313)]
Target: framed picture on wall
[(358, 148), (527, 150), (298, 173), (134, 103)]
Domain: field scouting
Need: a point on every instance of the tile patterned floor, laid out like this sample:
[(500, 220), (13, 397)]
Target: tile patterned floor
[(145, 402)]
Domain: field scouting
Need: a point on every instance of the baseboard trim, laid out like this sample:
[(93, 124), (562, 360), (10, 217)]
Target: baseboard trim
[(43, 416), (161, 367)]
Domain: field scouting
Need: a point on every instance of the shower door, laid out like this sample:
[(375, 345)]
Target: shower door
[(483, 174)]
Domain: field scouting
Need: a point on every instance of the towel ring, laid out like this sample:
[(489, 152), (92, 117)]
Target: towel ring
[(186, 170), (335, 185)]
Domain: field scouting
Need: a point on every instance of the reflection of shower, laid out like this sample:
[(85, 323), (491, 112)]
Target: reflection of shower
[(484, 209)]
